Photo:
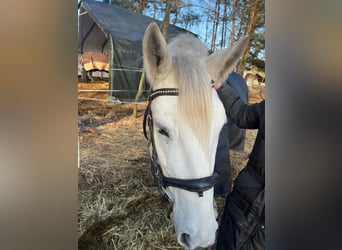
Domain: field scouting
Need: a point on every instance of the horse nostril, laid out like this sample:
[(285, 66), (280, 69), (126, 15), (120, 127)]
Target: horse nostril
[(185, 239)]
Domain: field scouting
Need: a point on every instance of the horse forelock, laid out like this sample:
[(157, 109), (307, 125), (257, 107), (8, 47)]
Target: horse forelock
[(195, 104), (186, 44)]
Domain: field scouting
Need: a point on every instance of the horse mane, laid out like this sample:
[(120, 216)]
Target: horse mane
[(195, 104)]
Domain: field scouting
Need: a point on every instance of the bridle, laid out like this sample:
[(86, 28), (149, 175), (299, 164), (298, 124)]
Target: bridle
[(198, 185)]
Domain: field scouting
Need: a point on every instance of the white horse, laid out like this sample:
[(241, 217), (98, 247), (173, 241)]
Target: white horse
[(186, 126)]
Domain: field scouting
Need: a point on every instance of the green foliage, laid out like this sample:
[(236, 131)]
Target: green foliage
[(189, 19), (257, 45), (135, 5), (259, 63)]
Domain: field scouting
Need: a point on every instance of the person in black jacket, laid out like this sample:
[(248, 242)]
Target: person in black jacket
[(234, 140), (242, 225)]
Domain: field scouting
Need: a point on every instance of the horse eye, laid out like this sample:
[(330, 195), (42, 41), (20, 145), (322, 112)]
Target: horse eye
[(163, 132)]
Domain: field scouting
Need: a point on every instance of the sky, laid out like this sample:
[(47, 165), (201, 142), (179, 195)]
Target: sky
[(199, 7)]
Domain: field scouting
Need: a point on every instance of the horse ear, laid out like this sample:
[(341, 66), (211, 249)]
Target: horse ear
[(221, 63), (156, 55)]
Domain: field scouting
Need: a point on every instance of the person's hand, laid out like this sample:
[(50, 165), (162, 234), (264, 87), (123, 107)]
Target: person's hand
[(217, 85)]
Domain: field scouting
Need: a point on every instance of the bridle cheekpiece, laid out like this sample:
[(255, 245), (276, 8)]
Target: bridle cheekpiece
[(198, 185)]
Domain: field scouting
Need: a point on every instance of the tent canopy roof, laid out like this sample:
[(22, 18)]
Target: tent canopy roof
[(118, 33), (118, 22)]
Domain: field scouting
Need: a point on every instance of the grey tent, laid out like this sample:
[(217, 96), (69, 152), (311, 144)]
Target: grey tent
[(118, 33)]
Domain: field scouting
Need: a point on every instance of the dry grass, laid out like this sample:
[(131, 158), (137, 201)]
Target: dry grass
[(119, 207)]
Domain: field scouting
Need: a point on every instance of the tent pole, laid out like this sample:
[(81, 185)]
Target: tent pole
[(138, 93)]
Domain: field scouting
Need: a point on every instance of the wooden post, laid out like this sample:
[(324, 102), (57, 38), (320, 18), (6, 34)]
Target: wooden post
[(138, 93)]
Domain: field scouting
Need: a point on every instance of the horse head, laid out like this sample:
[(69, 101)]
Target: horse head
[(186, 125)]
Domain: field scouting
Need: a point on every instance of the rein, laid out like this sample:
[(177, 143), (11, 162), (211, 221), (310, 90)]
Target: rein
[(198, 185)]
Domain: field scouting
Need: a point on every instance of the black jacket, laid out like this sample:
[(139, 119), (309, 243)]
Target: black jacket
[(231, 137), (243, 219)]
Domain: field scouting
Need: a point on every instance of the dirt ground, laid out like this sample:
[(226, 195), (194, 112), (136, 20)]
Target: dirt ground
[(118, 206)]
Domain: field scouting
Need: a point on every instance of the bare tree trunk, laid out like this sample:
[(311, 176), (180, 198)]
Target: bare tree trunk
[(140, 6), (206, 30), (232, 33), (243, 18), (154, 9), (215, 25), (165, 24), (175, 9), (224, 25), (250, 32)]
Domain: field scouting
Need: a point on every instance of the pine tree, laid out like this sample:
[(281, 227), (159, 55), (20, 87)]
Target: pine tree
[(250, 31)]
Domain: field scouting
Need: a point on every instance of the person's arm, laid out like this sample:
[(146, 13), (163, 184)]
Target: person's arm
[(243, 115)]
